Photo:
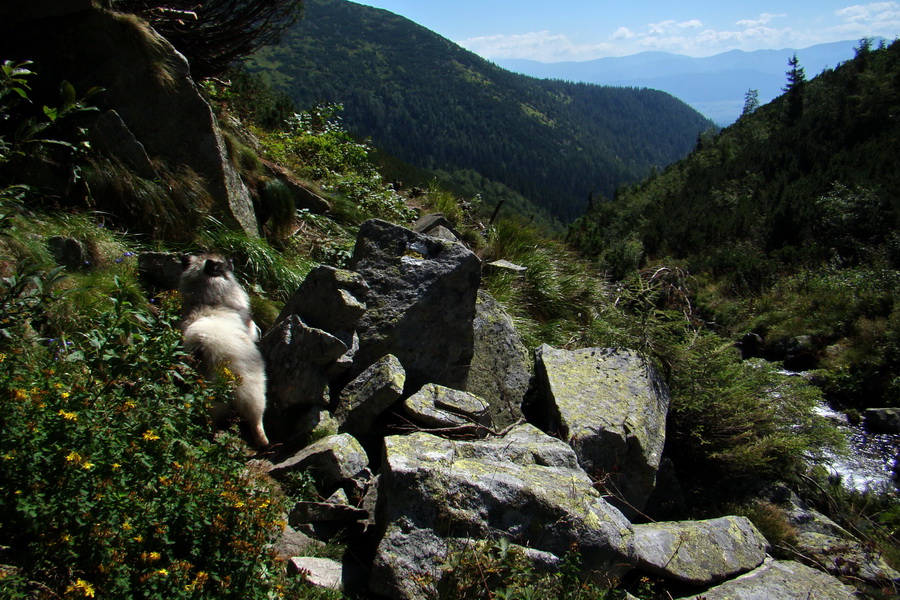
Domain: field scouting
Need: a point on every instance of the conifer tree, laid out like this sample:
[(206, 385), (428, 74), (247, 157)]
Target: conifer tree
[(751, 102), (796, 80), (213, 34)]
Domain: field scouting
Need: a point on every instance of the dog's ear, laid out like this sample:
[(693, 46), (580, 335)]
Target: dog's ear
[(186, 260)]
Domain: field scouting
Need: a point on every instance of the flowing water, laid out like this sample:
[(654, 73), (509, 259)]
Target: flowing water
[(869, 462)]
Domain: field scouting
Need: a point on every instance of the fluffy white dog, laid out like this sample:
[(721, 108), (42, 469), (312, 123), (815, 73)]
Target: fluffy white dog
[(220, 332)]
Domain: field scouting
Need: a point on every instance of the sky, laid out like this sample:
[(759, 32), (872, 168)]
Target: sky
[(588, 29)]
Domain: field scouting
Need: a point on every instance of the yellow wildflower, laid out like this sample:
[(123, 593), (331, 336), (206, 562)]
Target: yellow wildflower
[(150, 435), (65, 394), (20, 394), (73, 457), (67, 415), (80, 585), (87, 466), (116, 466)]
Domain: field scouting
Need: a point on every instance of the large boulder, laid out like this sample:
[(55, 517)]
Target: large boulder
[(822, 543), (699, 552), (329, 299), (149, 97), (611, 406), (296, 358), (368, 396), (882, 420), (332, 461), (501, 364), (421, 304), (525, 487), (435, 406), (780, 580)]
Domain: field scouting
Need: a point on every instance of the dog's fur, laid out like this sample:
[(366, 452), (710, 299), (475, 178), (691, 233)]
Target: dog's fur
[(219, 330)]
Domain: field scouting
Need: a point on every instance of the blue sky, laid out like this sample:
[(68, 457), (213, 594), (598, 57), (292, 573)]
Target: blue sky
[(589, 29)]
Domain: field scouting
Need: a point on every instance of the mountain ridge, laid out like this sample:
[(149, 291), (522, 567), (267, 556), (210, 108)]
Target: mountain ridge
[(717, 83), (435, 105)]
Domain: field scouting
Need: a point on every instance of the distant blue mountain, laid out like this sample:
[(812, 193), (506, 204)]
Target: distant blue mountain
[(713, 85)]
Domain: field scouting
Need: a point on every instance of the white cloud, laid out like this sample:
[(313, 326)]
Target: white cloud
[(874, 19), (537, 45), (763, 19), (693, 38), (873, 13), (623, 33), (670, 26)]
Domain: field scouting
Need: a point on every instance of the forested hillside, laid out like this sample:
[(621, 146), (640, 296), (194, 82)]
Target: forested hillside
[(793, 210), (435, 105)]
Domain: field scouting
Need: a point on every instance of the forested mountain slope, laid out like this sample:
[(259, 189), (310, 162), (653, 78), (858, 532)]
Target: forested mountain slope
[(789, 222), (435, 105), (810, 175)]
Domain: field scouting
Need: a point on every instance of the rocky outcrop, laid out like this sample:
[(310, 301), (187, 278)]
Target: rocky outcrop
[(882, 420), (780, 580), (420, 304), (822, 543), (524, 486), (150, 105), (699, 552), (501, 367), (458, 470), (611, 406), (333, 461), (365, 398), (435, 406)]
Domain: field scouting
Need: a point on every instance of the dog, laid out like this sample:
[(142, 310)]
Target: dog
[(219, 330)]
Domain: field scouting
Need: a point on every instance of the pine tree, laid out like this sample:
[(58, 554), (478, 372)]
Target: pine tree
[(751, 102), (796, 80)]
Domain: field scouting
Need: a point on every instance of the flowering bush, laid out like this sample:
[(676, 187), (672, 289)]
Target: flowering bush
[(110, 483)]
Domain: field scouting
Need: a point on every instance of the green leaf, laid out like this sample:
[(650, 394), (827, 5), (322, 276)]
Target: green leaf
[(68, 94)]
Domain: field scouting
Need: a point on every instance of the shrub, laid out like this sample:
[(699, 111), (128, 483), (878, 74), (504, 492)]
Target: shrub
[(316, 145), (111, 485)]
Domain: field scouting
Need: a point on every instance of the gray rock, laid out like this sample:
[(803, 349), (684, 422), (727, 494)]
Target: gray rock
[(294, 543), (780, 580), (699, 552), (317, 512), (110, 135), (882, 420), (421, 304), (435, 406), (144, 78), (333, 461), (320, 572), (524, 487), (160, 270), (296, 359), (329, 299), (71, 253), (365, 398), (611, 406), (502, 367), (825, 544), (436, 225)]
